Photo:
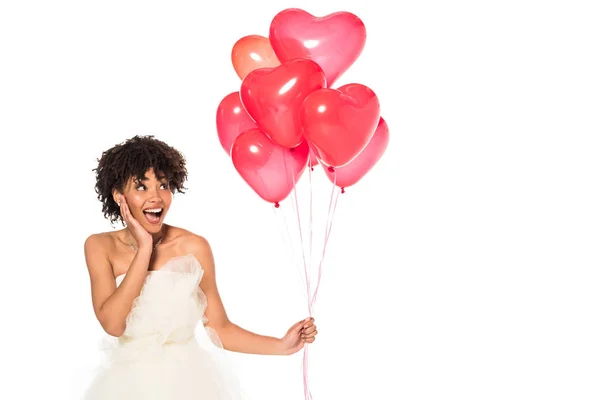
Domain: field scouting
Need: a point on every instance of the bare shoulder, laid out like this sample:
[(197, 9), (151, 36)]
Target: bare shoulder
[(189, 242), (97, 248), (192, 243)]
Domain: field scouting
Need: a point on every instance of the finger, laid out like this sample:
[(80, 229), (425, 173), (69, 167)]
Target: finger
[(297, 328), (308, 322), (126, 208), (310, 335), (310, 329), (123, 208), (128, 215), (309, 340)]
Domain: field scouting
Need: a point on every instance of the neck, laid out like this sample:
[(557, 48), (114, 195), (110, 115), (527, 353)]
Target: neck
[(156, 237)]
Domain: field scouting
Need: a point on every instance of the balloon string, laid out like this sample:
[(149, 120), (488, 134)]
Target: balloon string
[(332, 207), (310, 221), (329, 223), (307, 394), (285, 233), (290, 243), (298, 220), (311, 297)]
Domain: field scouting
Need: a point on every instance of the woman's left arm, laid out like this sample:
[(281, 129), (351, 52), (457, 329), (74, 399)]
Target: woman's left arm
[(234, 337)]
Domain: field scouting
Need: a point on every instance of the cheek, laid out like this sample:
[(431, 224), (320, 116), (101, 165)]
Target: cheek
[(134, 200), (168, 199)]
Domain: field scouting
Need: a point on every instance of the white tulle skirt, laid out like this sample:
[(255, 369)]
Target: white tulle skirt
[(150, 370)]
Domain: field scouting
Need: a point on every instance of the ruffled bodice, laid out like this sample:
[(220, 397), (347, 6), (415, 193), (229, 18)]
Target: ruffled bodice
[(170, 304)]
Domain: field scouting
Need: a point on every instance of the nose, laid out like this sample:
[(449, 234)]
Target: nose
[(154, 196)]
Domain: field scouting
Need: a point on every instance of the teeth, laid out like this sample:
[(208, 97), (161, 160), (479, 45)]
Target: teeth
[(154, 210)]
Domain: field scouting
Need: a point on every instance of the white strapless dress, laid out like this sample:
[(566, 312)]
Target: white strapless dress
[(161, 355)]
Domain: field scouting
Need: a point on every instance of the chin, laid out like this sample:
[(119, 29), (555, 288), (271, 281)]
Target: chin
[(154, 228)]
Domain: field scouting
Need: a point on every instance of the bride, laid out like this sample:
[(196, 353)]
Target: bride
[(153, 283)]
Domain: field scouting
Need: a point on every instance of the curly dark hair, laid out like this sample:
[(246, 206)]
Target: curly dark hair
[(133, 158)]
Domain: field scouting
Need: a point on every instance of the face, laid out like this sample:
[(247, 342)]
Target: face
[(148, 200)]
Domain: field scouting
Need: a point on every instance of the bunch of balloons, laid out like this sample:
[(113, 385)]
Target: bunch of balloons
[(287, 116)]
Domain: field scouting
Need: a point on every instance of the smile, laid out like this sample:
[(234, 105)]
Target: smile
[(153, 215)]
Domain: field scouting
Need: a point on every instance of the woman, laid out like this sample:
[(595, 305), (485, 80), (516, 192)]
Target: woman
[(151, 284)]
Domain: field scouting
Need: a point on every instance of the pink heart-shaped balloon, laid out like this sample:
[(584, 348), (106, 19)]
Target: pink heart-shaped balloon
[(356, 169), (339, 123), (334, 41), (271, 170), (272, 97), (232, 119)]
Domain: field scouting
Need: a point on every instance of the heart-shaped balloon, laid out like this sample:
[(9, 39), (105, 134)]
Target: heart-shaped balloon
[(232, 119), (271, 170), (339, 123), (334, 41), (272, 97), (356, 169), (313, 161), (252, 52)]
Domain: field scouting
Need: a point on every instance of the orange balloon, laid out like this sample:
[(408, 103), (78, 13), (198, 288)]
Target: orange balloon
[(252, 52)]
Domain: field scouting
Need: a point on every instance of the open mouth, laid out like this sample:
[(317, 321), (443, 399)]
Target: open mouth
[(153, 215)]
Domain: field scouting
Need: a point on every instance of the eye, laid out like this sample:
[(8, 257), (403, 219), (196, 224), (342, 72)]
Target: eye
[(164, 186), (140, 187)]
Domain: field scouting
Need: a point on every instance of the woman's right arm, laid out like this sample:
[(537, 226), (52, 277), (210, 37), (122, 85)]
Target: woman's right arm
[(112, 304)]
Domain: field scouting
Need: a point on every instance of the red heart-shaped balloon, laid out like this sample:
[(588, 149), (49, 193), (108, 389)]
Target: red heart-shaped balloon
[(272, 97), (339, 123), (271, 170), (356, 169), (312, 158), (232, 119), (334, 41)]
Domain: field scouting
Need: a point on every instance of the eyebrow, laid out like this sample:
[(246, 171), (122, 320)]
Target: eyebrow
[(139, 181)]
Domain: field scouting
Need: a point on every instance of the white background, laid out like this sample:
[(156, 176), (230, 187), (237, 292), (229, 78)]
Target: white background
[(464, 266)]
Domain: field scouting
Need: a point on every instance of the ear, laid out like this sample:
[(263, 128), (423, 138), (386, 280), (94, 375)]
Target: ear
[(117, 196)]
